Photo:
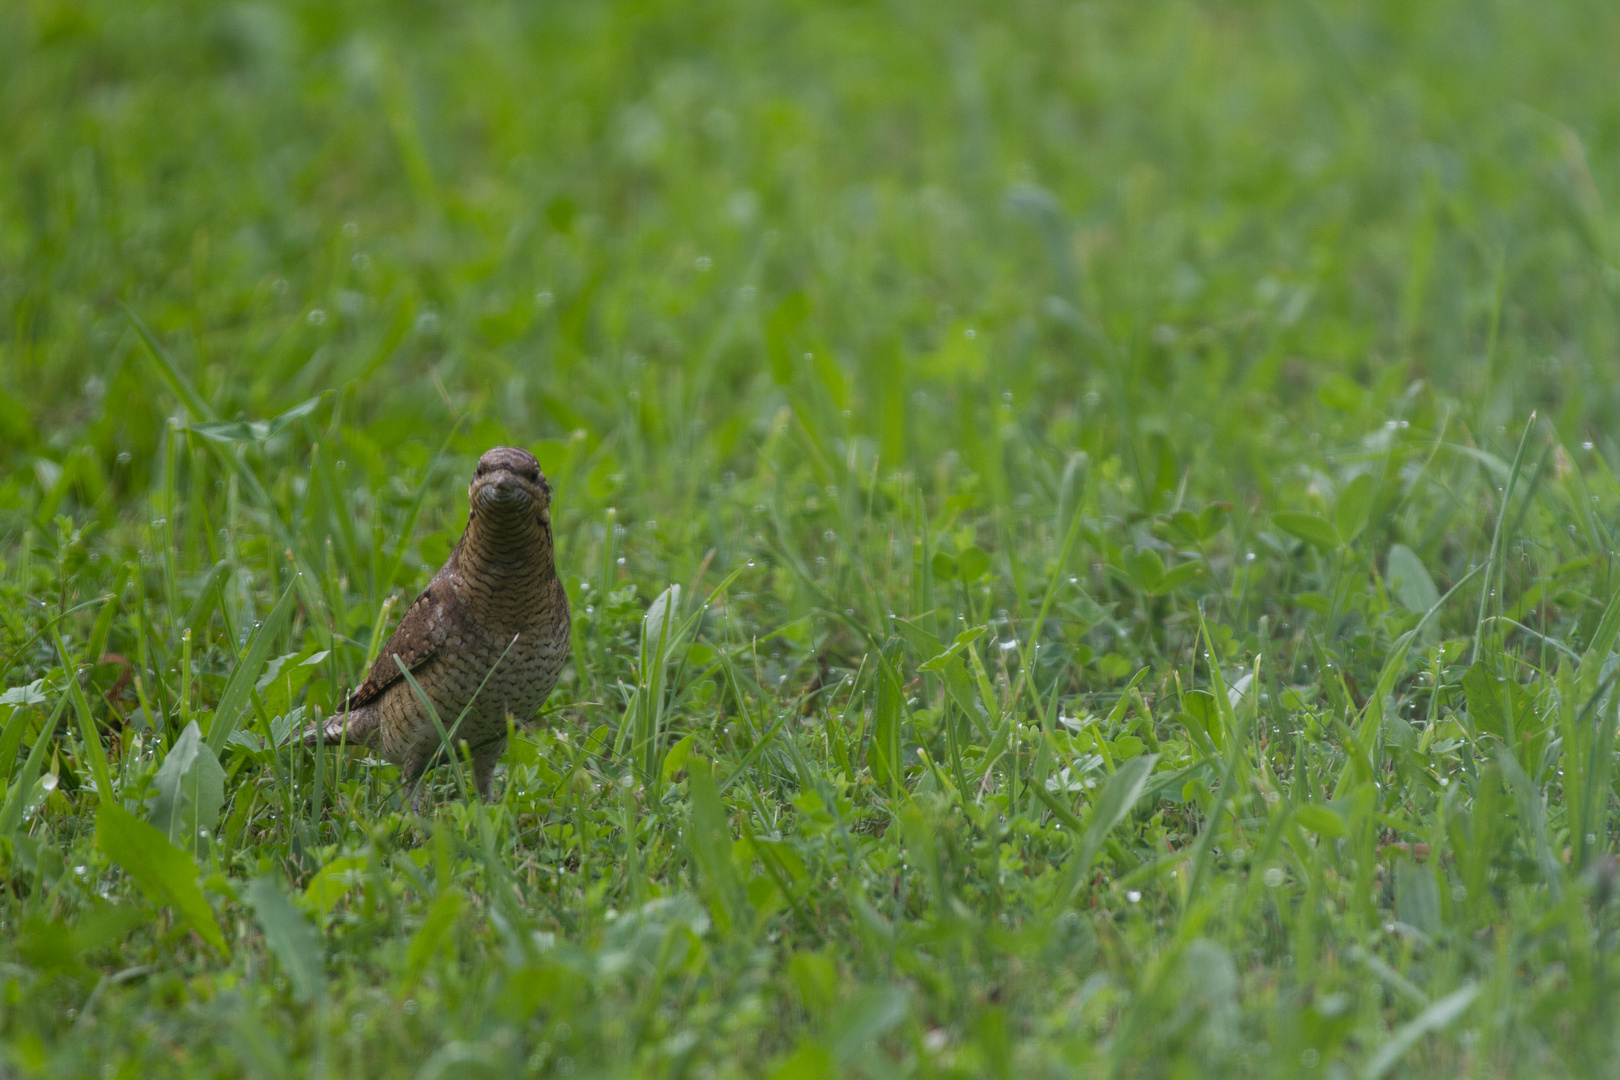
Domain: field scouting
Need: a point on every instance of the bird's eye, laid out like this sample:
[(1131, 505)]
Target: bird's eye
[(534, 476), (482, 469)]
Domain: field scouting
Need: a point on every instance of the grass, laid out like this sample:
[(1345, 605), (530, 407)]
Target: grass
[(1089, 528)]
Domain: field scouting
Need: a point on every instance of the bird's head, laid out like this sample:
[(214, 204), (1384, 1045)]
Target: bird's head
[(509, 484)]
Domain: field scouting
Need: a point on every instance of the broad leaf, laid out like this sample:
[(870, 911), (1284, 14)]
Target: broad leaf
[(165, 874), (1179, 576), (972, 564), (658, 625), (295, 942), (333, 881), (675, 760), (1213, 519), (32, 694), (864, 1019), (191, 789), (1324, 821), (1123, 789), (1147, 568), (1487, 694), (1355, 506), (254, 431), (1410, 580), (1312, 528)]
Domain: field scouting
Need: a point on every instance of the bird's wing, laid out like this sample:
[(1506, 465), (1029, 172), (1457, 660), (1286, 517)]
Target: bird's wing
[(414, 641)]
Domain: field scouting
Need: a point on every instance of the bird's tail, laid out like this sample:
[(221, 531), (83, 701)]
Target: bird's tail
[(352, 726)]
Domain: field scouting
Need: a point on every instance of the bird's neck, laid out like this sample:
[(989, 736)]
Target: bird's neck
[(510, 551)]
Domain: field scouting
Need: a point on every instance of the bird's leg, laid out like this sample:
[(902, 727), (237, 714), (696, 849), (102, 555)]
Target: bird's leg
[(415, 775), (484, 759)]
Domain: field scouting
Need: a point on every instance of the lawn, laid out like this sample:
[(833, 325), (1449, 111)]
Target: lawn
[(1089, 529)]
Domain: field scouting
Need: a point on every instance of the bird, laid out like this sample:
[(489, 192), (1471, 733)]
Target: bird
[(486, 640)]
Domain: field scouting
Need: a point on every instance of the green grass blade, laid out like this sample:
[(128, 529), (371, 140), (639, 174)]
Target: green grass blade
[(233, 700)]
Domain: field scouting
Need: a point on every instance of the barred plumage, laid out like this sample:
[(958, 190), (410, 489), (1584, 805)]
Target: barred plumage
[(486, 639)]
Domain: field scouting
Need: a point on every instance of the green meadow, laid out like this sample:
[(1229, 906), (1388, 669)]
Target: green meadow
[(1090, 531)]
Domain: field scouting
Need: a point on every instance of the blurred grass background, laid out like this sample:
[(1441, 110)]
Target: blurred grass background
[(1024, 318), (525, 213)]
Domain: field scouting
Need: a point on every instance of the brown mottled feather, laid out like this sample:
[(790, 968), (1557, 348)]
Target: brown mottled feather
[(485, 642), (414, 641)]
